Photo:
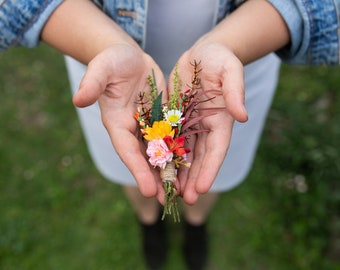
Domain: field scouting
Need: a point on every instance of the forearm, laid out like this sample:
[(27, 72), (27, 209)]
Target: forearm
[(251, 31), (78, 28)]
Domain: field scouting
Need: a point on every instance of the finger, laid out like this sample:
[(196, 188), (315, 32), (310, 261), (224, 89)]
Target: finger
[(182, 176), (129, 150), (217, 144), (160, 192), (190, 194), (233, 92)]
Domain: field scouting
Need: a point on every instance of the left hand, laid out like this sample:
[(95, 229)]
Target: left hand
[(221, 71)]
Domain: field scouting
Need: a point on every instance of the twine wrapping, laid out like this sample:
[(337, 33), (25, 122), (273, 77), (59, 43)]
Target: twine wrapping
[(168, 174)]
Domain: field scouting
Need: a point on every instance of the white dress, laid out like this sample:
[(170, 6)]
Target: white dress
[(170, 32)]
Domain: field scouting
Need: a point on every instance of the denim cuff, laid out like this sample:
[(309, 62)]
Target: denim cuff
[(291, 15), (314, 28), (21, 21)]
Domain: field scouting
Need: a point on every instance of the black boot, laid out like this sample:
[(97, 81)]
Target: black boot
[(195, 246), (154, 244)]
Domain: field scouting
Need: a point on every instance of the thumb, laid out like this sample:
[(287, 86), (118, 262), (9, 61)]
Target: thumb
[(234, 95), (91, 87)]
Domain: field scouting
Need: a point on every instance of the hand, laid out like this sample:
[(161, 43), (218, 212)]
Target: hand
[(221, 71), (115, 77)]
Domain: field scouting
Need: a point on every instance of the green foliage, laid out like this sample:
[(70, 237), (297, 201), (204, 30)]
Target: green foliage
[(57, 212), (152, 87), (156, 110), (177, 87), (156, 99)]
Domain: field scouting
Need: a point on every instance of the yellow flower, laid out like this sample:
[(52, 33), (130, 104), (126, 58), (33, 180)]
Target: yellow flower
[(158, 131)]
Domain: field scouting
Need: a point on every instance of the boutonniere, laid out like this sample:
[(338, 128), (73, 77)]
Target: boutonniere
[(166, 127)]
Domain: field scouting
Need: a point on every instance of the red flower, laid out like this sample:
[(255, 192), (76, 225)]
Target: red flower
[(176, 145)]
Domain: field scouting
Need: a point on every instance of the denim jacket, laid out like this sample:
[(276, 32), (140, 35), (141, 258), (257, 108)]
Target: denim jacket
[(313, 24), (315, 36)]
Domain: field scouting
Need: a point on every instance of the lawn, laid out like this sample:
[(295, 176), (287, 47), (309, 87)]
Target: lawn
[(58, 212)]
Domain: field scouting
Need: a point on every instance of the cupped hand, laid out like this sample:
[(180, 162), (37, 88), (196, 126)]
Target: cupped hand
[(114, 78), (223, 72)]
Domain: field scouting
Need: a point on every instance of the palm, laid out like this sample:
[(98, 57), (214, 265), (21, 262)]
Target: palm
[(115, 78), (225, 76)]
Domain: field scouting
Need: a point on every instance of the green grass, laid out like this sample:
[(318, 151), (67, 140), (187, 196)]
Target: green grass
[(57, 212)]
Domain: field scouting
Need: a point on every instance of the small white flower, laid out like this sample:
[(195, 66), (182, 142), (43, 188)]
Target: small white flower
[(164, 108), (173, 117)]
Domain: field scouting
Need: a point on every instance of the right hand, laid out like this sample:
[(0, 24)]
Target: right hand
[(114, 78)]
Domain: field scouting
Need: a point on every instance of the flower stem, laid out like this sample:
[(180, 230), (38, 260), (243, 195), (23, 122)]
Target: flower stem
[(168, 175), (170, 201)]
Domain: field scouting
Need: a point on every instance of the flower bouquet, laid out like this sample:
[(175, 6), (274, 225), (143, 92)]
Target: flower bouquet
[(167, 127)]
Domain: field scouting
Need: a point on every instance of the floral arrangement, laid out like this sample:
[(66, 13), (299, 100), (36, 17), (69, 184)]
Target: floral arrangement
[(166, 128)]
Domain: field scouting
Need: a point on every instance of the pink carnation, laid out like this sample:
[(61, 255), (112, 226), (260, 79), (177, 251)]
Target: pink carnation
[(159, 153)]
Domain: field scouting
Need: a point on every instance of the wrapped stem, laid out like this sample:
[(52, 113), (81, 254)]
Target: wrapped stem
[(168, 176)]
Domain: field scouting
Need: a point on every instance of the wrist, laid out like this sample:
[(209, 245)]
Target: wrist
[(251, 31), (83, 39)]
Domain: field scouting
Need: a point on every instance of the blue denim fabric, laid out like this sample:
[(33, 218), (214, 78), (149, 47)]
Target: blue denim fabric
[(313, 24), (314, 30), (131, 15), (128, 14), (22, 21)]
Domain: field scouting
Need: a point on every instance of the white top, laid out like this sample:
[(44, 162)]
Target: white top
[(183, 27)]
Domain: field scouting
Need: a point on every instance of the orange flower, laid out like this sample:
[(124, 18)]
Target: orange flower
[(137, 116)]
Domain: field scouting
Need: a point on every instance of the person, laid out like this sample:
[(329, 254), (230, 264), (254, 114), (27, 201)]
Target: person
[(111, 48)]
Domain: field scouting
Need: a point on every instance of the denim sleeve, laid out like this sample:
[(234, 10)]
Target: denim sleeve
[(21, 21), (314, 31)]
